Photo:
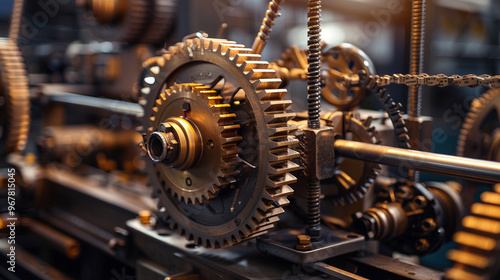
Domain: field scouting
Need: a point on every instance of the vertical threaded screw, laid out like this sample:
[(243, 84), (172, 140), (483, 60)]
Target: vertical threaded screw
[(314, 60), (313, 213), (416, 65), (416, 55)]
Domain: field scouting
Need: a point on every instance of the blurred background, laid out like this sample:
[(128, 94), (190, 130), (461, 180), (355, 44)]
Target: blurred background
[(462, 37)]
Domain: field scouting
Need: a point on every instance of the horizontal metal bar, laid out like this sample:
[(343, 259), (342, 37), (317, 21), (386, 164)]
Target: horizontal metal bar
[(115, 106), (466, 168)]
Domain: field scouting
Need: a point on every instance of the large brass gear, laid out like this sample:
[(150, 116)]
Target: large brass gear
[(14, 99), (218, 156), (480, 134), (250, 207)]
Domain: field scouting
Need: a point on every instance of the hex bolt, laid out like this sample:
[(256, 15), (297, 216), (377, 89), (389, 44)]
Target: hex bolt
[(145, 217), (303, 243)]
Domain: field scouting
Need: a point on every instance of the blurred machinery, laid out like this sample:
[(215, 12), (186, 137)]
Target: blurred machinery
[(133, 148)]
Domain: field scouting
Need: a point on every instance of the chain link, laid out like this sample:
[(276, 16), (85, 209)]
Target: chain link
[(439, 80)]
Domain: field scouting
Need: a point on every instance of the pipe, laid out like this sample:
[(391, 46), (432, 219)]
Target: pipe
[(465, 168)]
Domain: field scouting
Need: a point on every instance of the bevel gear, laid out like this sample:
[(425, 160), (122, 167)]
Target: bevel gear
[(251, 205), (352, 178), (201, 109), (14, 99), (480, 134)]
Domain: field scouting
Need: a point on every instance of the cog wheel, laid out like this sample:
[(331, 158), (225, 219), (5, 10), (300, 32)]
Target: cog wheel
[(248, 207), (395, 115), (162, 21), (478, 254), (116, 20), (342, 61), (202, 108), (480, 134), (14, 99), (353, 178)]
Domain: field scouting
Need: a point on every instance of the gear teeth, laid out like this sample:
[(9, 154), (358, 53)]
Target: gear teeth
[(281, 180), (276, 106), (271, 94), (256, 74), (478, 106), (250, 65), (282, 167), (262, 84), (233, 51), (479, 241), (240, 58), (16, 106), (283, 153)]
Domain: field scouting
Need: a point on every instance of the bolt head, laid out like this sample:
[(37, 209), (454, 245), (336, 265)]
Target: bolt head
[(186, 107), (304, 239)]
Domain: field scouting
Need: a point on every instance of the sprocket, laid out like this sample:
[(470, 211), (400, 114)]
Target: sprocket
[(14, 99), (250, 206), (480, 134)]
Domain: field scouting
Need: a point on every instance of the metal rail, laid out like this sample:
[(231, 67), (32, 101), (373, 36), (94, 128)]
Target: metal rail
[(466, 168)]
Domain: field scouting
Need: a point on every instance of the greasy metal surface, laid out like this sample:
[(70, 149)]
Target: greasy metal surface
[(382, 267), (238, 262)]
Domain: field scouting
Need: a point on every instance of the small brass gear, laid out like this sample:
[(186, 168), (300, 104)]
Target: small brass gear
[(250, 207), (218, 158), (14, 99)]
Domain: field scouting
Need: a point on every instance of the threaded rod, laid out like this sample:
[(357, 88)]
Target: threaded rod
[(314, 60), (416, 55), (313, 210), (265, 28)]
